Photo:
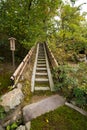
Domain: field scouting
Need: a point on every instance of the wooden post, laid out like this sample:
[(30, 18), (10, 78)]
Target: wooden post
[(13, 59), (12, 48)]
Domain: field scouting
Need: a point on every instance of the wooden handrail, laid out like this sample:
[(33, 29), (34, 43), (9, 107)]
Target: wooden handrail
[(52, 59), (18, 72)]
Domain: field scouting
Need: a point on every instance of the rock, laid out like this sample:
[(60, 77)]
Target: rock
[(13, 116), (21, 127), (19, 85), (81, 57), (1, 128), (12, 99), (28, 125)]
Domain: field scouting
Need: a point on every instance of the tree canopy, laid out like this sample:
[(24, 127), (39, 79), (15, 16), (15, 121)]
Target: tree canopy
[(28, 20), (34, 20)]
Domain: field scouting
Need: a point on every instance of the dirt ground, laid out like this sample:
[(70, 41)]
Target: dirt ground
[(6, 71)]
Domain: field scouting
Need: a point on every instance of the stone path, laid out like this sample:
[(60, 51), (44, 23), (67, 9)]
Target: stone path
[(36, 109)]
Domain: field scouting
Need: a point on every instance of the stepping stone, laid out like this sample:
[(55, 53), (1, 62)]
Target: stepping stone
[(36, 109)]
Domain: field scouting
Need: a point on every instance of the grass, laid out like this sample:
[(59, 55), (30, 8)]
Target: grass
[(62, 118)]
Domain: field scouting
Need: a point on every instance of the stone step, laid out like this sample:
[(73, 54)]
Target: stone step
[(41, 80), (42, 88), (41, 73), (41, 68)]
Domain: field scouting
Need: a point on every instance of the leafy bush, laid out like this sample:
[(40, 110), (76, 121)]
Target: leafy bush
[(63, 77), (72, 82), (2, 112), (12, 126), (79, 96)]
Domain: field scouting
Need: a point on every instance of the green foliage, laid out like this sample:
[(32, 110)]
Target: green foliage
[(27, 20), (72, 82), (63, 78), (62, 118), (8, 127), (80, 96), (13, 126), (2, 113)]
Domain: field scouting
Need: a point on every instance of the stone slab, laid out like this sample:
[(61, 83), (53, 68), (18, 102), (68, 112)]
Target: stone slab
[(12, 99), (36, 109)]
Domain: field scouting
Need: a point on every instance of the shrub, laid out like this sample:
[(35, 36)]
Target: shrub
[(2, 112), (79, 96), (72, 81)]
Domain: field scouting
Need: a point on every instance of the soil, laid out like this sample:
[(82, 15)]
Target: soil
[(6, 71), (37, 98)]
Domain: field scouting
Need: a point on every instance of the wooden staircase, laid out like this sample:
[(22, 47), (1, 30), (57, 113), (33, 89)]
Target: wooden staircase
[(41, 76)]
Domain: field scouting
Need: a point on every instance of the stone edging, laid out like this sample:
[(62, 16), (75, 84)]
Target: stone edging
[(83, 112)]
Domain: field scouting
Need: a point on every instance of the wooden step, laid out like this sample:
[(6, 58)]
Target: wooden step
[(41, 59), (42, 88), (41, 80), (41, 65), (41, 62), (41, 68), (41, 73), (41, 54)]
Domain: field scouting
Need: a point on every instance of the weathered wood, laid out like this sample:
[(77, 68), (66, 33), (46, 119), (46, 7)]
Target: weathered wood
[(49, 72), (19, 71), (52, 59), (83, 112), (34, 70)]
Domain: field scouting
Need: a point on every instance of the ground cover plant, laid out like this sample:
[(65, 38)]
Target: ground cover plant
[(63, 118)]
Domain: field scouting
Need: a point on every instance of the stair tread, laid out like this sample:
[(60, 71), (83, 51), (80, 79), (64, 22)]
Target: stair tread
[(41, 73), (41, 79), (41, 68), (41, 59), (41, 64), (41, 88)]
